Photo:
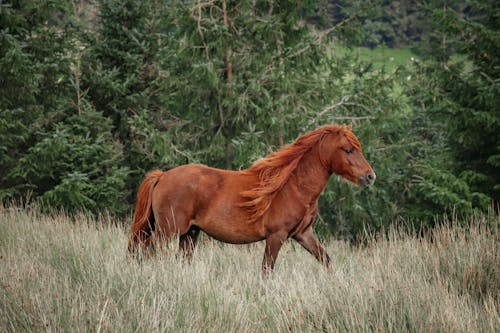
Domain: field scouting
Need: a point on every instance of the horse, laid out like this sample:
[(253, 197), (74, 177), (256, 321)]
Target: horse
[(273, 200)]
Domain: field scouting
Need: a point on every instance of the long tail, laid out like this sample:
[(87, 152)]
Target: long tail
[(144, 222)]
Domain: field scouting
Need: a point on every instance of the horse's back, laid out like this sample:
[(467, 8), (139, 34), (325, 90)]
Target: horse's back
[(196, 188), (193, 181)]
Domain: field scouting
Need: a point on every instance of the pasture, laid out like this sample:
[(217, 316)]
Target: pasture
[(63, 274)]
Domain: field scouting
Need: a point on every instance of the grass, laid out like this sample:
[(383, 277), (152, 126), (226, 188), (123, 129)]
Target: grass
[(60, 275), (385, 57), (381, 57)]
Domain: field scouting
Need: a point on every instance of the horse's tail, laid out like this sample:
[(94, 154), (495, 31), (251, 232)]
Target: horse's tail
[(144, 222)]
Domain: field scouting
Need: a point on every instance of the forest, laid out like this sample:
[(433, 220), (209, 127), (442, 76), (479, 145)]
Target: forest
[(94, 94)]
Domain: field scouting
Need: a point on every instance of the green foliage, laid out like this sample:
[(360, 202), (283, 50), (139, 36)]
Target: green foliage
[(75, 166), (464, 92), (34, 82), (260, 70), (117, 68), (55, 145), (381, 22), (119, 74), (90, 103)]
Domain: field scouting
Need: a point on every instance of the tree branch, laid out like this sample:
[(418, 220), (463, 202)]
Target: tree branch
[(343, 100)]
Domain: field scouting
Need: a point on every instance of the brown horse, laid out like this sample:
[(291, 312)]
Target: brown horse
[(275, 199)]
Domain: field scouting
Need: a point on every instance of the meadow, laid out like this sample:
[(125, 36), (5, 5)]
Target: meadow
[(73, 274), (380, 57)]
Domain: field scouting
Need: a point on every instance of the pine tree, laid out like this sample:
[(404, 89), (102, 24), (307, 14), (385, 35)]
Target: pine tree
[(57, 147), (232, 68), (77, 165), (32, 80), (464, 100)]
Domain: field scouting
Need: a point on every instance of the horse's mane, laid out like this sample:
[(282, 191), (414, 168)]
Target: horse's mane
[(275, 170)]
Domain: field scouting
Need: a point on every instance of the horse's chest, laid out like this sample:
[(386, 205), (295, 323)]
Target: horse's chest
[(294, 217), (306, 220)]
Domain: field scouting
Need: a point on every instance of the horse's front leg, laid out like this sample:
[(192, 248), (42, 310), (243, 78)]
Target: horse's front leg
[(273, 245), (313, 246)]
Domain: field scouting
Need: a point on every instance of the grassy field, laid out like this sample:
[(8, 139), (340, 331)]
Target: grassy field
[(59, 275), (381, 58), (385, 57)]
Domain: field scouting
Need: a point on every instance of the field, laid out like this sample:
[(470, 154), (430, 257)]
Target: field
[(58, 274), (380, 57), (388, 58)]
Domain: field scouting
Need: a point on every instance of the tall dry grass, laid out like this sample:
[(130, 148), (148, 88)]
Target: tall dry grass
[(60, 275)]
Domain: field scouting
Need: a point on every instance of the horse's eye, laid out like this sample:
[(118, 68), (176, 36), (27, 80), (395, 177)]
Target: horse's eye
[(349, 151)]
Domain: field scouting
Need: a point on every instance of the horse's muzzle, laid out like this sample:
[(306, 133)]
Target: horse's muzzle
[(368, 179)]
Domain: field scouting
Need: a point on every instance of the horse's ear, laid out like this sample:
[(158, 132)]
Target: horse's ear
[(349, 127)]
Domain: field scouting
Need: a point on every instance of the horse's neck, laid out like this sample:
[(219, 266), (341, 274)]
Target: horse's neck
[(311, 175)]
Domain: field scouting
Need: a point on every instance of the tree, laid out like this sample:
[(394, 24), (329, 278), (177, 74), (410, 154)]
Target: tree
[(33, 79), (77, 166), (231, 68), (91, 103), (464, 93), (56, 145)]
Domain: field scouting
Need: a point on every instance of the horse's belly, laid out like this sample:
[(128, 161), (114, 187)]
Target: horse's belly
[(234, 232), (234, 239)]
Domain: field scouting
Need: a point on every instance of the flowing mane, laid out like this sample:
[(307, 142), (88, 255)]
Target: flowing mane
[(275, 170)]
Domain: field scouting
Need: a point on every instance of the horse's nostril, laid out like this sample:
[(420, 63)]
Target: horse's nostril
[(371, 176)]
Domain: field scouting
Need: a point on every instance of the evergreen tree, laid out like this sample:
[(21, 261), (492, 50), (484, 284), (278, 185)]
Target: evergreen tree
[(121, 73), (464, 92), (229, 69), (33, 79), (56, 145), (77, 165), (89, 103)]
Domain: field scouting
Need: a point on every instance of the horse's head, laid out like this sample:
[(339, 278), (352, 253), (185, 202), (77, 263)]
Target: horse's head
[(341, 151)]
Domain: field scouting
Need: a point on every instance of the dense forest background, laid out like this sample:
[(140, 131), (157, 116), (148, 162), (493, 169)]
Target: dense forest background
[(93, 94)]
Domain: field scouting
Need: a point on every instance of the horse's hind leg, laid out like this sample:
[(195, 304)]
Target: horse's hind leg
[(146, 249), (187, 242), (141, 244), (169, 225)]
